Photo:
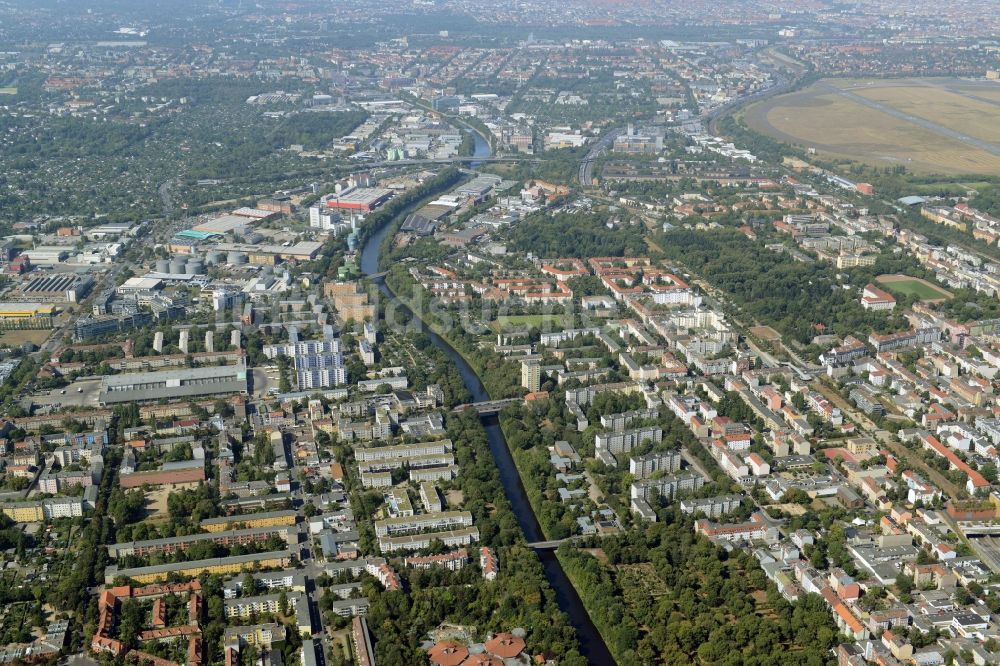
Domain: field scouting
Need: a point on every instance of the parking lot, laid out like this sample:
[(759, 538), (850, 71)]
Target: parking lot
[(82, 393), (264, 379)]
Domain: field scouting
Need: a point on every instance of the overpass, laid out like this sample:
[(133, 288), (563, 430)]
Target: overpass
[(487, 407), (550, 545), (555, 543), (447, 160)]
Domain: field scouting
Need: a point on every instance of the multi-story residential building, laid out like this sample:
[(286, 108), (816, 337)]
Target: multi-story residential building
[(756, 528), (489, 563), (847, 352), (450, 538), (866, 401), (285, 518), (34, 511), (667, 486), (318, 363), (430, 497), (618, 422), (713, 507), (531, 376), (258, 635), (626, 440), (297, 602), (182, 543), (219, 565), (452, 561), (426, 521), (642, 467)]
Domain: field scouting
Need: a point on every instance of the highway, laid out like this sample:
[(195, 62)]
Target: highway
[(586, 175)]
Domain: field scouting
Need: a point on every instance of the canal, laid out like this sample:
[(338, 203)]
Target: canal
[(592, 646)]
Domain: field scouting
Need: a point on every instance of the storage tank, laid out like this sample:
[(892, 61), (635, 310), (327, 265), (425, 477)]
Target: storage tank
[(195, 267), (215, 257), (236, 258), (177, 266), (162, 265)]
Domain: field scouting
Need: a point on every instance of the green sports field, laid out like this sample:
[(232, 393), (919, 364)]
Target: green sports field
[(516, 321), (911, 286)]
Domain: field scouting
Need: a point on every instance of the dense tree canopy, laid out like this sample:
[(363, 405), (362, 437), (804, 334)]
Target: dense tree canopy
[(796, 298), (661, 595), (575, 235)]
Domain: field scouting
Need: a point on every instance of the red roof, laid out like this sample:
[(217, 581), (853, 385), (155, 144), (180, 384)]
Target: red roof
[(505, 645), (447, 653)]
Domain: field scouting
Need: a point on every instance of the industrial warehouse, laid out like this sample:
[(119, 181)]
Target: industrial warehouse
[(174, 384)]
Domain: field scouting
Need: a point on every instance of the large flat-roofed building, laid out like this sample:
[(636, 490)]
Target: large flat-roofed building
[(363, 199), (169, 474), (140, 287), (57, 288), (47, 255), (171, 384), (26, 315), (218, 565), (270, 254), (415, 462), (260, 635), (109, 230)]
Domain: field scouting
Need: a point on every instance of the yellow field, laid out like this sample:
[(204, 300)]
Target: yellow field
[(954, 111), (838, 127), (20, 336)]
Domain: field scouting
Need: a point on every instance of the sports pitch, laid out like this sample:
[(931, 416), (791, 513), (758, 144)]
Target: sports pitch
[(505, 322), (946, 126), (911, 286)]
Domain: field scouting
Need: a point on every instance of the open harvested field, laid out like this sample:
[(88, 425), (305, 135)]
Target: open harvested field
[(950, 109), (911, 286), (928, 125), (765, 333), (20, 336)]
